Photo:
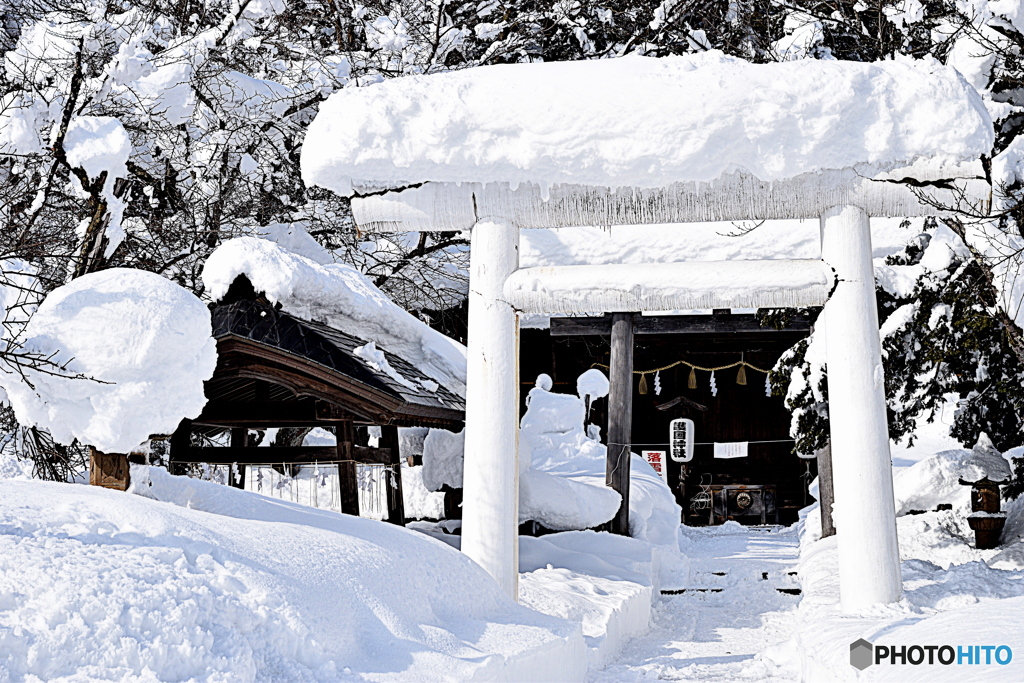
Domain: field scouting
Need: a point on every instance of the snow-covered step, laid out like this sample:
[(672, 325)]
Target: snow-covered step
[(610, 611)]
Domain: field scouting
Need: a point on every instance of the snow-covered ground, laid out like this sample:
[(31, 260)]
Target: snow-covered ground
[(732, 610), (196, 581)]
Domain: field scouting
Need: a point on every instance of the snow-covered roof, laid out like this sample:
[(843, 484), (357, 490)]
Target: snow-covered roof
[(338, 296), (382, 379), (643, 123)]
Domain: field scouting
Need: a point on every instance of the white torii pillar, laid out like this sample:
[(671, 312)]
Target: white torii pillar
[(869, 560), (490, 480)]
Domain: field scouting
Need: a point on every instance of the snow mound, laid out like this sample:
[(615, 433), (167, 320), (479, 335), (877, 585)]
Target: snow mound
[(221, 584), (442, 459), (644, 122), (936, 479), (142, 341), (985, 462), (562, 482), (340, 296), (610, 612)]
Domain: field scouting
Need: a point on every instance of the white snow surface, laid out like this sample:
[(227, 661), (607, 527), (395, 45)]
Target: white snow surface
[(97, 144), (644, 122), (144, 346), (198, 581), (340, 296), (953, 593), (442, 459), (562, 476)]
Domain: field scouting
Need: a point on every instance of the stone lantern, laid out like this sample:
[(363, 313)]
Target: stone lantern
[(984, 472)]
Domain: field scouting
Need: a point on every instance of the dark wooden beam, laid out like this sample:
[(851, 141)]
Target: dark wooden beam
[(744, 323), (620, 415), (264, 414), (293, 455), (396, 505)]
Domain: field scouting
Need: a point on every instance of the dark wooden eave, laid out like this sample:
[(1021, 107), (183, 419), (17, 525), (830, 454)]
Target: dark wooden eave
[(718, 324), (333, 395)]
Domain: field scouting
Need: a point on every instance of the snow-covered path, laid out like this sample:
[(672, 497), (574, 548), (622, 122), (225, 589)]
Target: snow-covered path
[(714, 630)]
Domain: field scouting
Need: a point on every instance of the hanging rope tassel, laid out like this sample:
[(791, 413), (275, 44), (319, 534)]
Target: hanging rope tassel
[(643, 384), (741, 376), (692, 383)]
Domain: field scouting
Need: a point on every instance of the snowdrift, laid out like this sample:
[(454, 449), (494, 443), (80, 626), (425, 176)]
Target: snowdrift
[(642, 122), (199, 581), (952, 593)]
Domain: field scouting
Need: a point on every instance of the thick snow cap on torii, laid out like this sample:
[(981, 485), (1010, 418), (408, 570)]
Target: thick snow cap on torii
[(639, 122)]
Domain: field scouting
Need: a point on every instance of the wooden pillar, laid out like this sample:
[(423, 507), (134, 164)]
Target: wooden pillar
[(490, 520), (239, 439), (865, 517), (109, 470), (620, 416), (348, 484), (396, 505), (181, 441), (825, 491)]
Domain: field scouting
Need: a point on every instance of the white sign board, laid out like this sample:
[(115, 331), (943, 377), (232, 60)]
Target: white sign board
[(657, 461)]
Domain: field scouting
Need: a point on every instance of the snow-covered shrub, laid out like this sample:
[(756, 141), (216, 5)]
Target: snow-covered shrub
[(135, 348)]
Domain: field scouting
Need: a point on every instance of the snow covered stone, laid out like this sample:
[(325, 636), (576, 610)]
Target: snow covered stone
[(144, 346), (592, 384), (644, 122), (338, 295)]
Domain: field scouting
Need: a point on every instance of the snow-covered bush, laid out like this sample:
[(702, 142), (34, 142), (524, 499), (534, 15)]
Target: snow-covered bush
[(135, 349)]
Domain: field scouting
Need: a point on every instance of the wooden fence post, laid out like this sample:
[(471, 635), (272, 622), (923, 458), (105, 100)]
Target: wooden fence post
[(825, 491), (396, 505), (348, 483), (109, 470)]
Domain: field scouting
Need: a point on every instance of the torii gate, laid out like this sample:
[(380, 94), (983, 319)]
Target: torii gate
[(463, 172)]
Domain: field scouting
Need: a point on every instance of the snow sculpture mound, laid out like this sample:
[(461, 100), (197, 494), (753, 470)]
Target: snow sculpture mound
[(562, 474), (214, 583), (338, 295), (144, 343), (631, 122)]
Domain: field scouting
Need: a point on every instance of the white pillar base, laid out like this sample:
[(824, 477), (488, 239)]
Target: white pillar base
[(865, 517), (490, 481)]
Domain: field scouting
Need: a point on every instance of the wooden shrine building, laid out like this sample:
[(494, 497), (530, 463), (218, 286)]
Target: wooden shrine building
[(766, 483), (277, 370)]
